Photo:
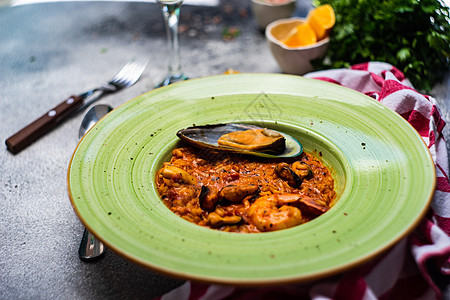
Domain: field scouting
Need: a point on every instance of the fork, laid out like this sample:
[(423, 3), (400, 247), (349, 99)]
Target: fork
[(126, 77)]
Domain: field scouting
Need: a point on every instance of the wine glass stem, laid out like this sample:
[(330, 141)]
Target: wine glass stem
[(171, 13)]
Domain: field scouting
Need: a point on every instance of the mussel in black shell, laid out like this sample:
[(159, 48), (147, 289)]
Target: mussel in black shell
[(242, 138)]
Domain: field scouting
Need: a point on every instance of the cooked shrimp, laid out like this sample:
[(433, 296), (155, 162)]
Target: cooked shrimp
[(269, 213)]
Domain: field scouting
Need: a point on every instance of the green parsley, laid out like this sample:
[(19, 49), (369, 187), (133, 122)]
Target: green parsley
[(413, 35)]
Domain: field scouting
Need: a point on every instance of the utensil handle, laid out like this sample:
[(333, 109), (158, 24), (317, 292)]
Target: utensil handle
[(42, 125)]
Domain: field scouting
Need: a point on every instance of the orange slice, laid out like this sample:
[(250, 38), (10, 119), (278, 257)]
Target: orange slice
[(321, 19), (301, 35), (231, 71)]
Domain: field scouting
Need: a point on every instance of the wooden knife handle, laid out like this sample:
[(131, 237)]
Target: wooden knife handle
[(44, 124)]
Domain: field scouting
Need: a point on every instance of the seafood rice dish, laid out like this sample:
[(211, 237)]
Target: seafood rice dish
[(238, 193)]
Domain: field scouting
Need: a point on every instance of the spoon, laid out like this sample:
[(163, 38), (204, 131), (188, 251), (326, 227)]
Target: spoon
[(91, 248)]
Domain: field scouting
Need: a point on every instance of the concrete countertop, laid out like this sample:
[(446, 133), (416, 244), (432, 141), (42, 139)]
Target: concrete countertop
[(51, 51)]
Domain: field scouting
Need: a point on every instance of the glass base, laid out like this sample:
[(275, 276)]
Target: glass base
[(172, 79)]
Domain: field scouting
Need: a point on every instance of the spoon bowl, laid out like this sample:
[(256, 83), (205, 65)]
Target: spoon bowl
[(93, 116)]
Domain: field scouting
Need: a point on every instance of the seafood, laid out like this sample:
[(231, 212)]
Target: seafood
[(241, 138), (216, 220), (237, 193), (242, 193), (305, 203), (254, 140), (302, 169), (176, 174), (269, 213), (209, 196), (285, 172)]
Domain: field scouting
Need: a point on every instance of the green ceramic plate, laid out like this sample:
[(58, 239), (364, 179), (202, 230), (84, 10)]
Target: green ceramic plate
[(383, 171)]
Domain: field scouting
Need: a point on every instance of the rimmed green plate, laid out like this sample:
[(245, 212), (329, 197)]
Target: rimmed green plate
[(383, 171)]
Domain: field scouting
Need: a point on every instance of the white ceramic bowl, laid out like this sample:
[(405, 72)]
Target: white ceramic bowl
[(265, 13), (293, 60)]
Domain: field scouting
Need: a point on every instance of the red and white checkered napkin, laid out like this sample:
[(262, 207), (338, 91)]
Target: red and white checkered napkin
[(417, 265)]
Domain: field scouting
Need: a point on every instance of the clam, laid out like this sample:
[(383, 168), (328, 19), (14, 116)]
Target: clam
[(242, 138)]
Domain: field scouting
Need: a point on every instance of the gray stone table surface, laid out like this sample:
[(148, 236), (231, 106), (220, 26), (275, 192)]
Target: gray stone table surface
[(53, 50)]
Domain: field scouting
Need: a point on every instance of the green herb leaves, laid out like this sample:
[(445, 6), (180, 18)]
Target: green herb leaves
[(413, 35)]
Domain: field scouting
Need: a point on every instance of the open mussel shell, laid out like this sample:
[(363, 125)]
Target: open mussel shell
[(207, 136)]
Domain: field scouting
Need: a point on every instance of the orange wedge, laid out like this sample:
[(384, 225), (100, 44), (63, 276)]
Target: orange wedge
[(301, 35), (321, 19), (231, 71)]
